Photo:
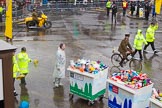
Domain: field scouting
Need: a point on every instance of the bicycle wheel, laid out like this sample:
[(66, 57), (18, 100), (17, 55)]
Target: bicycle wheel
[(135, 64), (113, 69), (115, 59)]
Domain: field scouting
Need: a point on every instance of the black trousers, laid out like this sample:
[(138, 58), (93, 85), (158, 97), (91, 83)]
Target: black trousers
[(140, 53), (23, 81), (124, 12), (108, 11), (132, 11), (14, 83), (113, 16), (152, 45), (0, 17), (147, 15)]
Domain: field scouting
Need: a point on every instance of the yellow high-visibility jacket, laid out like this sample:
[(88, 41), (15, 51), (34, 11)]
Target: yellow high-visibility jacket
[(108, 4), (139, 40), (15, 67), (150, 33), (23, 61)]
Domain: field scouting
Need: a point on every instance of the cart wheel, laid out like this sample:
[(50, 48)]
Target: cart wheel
[(90, 103), (71, 96), (101, 97)]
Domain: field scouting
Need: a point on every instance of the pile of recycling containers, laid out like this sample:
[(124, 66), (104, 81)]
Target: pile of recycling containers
[(131, 89), (126, 89)]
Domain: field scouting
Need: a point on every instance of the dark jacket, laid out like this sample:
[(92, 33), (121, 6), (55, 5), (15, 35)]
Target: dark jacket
[(35, 15), (114, 8), (132, 6), (123, 46)]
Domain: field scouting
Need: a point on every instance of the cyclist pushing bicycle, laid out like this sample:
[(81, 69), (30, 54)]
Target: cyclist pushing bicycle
[(125, 49)]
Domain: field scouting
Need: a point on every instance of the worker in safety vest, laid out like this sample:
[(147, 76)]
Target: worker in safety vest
[(1, 11), (23, 61), (124, 6), (150, 36), (138, 43), (15, 70), (108, 7)]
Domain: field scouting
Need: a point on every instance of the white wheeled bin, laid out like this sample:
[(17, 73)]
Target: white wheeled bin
[(121, 96), (87, 85)]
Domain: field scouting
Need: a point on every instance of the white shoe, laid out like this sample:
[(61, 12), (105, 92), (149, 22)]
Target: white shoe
[(56, 85), (60, 84)]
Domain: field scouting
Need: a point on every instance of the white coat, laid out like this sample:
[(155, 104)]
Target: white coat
[(60, 62)]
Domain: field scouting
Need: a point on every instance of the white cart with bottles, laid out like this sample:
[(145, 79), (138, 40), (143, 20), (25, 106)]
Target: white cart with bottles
[(86, 85), (121, 96)]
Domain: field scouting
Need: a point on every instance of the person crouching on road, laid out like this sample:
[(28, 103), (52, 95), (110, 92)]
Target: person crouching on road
[(125, 48), (59, 68), (23, 61), (138, 43)]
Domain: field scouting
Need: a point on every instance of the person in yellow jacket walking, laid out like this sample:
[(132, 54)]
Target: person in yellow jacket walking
[(150, 36), (23, 61), (138, 43), (108, 6), (15, 70)]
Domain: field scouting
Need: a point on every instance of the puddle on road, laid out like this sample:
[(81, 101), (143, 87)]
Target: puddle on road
[(98, 32), (141, 25)]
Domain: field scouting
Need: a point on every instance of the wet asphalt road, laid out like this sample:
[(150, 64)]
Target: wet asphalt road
[(88, 34)]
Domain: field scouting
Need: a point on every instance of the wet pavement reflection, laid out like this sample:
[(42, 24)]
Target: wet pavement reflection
[(58, 97), (90, 35)]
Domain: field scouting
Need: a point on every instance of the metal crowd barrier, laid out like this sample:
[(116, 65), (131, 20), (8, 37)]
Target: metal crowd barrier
[(53, 7)]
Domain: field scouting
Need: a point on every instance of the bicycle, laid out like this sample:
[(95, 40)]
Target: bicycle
[(134, 63)]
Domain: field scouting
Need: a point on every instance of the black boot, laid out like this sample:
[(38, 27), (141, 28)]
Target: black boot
[(121, 63), (23, 81), (15, 94)]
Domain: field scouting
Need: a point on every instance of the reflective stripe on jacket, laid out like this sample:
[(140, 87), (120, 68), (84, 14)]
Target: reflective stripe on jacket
[(139, 40), (150, 33), (23, 61)]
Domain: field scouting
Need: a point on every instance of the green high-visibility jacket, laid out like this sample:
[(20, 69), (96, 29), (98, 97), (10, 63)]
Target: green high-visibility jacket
[(108, 4), (23, 61), (1, 9), (15, 67), (150, 33), (139, 40)]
